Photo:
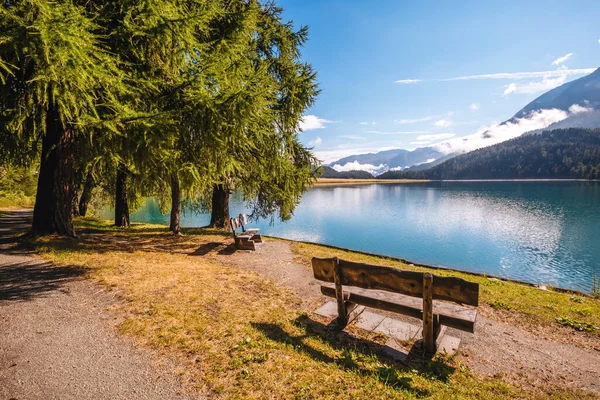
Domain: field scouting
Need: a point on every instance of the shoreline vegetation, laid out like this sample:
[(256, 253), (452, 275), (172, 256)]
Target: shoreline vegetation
[(183, 299)]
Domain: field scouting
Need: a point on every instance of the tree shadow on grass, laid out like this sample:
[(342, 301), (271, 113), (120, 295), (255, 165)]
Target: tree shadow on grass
[(23, 281), (387, 372)]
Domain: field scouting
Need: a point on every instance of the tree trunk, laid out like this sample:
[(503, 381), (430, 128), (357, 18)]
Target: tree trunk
[(75, 192), (175, 204), (121, 205), (52, 211), (86, 195), (219, 217)]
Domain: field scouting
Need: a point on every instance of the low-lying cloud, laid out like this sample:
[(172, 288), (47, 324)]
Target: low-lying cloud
[(356, 166), (497, 133)]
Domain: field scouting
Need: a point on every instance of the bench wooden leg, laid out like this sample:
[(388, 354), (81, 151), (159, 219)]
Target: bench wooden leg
[(257, 238), (342, 318), (429, 327), (244, 244)]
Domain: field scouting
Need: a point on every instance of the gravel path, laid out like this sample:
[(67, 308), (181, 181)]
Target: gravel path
[(58, 342)]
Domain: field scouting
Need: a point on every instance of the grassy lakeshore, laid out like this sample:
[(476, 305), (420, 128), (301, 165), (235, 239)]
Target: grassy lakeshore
[(239, 335), (351, 182)]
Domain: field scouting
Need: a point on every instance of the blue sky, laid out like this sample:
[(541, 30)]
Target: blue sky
[(361, 50)]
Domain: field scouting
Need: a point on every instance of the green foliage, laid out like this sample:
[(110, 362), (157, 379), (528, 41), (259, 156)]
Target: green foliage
[(54, 55), (595, 285), (499, 305), (17, 187), (577, 325), (190, 91), (561, 153)]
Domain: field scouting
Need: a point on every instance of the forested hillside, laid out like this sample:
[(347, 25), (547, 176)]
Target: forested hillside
[(562, 153), (328, 172)]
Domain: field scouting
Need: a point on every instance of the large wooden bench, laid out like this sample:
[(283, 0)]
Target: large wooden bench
[(248, 238), (437, 300)]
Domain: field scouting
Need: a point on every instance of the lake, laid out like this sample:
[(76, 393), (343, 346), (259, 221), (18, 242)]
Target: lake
[(539, 232)]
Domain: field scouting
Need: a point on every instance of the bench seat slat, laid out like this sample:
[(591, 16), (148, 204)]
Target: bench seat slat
[(452, 315)]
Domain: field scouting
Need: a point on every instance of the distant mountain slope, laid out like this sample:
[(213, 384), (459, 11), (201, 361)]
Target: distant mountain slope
[(561, 154), (392, 158), (329, 172), (424, 166), (584, 92), (588, 119)]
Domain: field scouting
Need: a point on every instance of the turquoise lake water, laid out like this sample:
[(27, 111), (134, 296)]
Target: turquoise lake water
[(540, 232)]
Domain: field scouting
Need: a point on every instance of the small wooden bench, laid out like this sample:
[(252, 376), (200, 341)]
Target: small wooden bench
[(415, 294), (248, 238)]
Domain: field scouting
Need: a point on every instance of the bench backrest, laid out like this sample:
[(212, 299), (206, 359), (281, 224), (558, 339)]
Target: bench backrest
[(234, 223), (394, 280), (240, 220)]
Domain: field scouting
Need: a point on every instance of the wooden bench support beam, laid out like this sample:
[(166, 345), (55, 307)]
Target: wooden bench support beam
[(342, 318), (244, 243), (428, 326)]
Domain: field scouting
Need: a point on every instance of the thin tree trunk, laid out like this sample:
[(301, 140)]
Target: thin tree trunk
[(52, 211), (121, 204), (219, 217), (75, 192), (86, 195), (175, 204)]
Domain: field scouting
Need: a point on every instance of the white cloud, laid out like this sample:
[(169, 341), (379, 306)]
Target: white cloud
[(562, 59), (421, 143), (363, 123), (315, 142), (512, 88), (474, 107), (577, 109), (352, 137), (438, 136), (310, 122), (525, 75), (408, 81), (497, 133), (535, 87), (355, 165), (444, 123), (397, 133), (414, 121)]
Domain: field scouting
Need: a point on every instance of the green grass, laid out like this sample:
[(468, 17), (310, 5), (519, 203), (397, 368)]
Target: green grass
[(239, 336)]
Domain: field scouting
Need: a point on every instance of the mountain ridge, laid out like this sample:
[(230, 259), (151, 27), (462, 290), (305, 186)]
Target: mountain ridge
[(580, 99)]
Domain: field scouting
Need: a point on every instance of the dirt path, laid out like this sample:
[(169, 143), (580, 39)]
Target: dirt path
[(496, 347), (56, 340)]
